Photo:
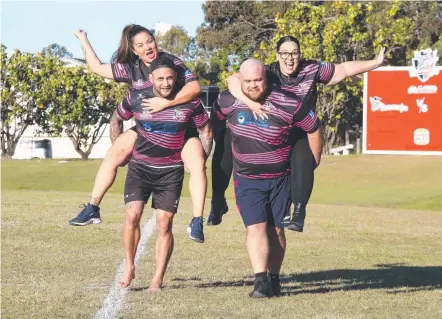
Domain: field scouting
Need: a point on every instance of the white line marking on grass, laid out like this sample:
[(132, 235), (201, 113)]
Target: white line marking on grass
[(116, 296)]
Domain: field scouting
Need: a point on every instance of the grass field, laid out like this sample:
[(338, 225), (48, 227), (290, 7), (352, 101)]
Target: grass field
[(371, 248)]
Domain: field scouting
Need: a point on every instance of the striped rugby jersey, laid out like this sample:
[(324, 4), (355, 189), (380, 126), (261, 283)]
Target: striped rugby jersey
[(137, 74), (303, 81), (261, 148), (160, 135)]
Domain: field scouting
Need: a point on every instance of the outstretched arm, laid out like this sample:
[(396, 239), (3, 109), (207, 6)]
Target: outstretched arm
[(206, 138), (115, 126), (351, 68), (92, 60)]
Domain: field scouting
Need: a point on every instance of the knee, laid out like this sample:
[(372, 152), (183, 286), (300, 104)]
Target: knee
[(132, 219), (117, 156), (164, 225)]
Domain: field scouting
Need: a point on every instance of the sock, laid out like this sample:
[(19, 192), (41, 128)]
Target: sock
[(95, 208)]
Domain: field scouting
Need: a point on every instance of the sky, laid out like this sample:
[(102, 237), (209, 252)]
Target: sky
[(31, 25)]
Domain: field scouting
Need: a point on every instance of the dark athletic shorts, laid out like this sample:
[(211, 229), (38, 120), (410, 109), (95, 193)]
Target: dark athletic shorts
[(164, 183), (263, 200), (191, 132)]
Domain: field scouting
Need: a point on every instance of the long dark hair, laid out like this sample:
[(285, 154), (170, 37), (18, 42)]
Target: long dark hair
[(124, 53), (287, 38)]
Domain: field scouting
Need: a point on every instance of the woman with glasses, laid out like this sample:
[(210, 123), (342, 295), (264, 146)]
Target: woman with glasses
[(299, 76)]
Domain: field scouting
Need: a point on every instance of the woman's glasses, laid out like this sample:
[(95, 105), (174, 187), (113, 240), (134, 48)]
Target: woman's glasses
[(285, 55)]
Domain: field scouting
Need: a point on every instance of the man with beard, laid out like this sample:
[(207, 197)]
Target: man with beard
[(156, 166), (261, 163)]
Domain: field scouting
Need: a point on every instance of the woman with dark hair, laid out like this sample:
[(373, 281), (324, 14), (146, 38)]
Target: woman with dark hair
[(294, 74), (131, 63)]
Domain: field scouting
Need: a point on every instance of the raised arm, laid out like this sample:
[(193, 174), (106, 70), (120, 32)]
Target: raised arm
[(115, 126), (92, 60), (206, 138), (351, 68)]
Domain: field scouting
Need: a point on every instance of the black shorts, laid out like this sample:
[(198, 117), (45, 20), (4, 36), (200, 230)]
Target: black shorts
[(165, 184), (263, 200), (191, 132)]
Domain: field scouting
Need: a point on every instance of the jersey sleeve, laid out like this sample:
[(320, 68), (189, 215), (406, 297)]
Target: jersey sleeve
[(222, 107), (325, 72), (184, 75), (305, 118), (199, 115), (124, 109), (121, 72)]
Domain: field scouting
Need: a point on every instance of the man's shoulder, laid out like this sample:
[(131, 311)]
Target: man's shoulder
[(226, 99), (191, 104), (145, 93)]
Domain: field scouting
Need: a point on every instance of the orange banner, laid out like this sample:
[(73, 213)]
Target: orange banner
[(402, 114)]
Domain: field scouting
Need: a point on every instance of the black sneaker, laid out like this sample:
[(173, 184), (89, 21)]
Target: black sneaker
[(276, 286), (262, 289), (297, 221), (87, 216), (195, 230), (216, 213)]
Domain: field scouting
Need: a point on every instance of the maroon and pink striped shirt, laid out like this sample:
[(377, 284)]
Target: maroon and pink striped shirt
[(160, 135), (137, 74), (261, 148), (303, 81)]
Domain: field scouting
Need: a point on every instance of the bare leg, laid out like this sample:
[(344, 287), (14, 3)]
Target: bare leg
[(257, 245), (131, 237), (193, 158), (277, 245), (164, 247), (116, 156)]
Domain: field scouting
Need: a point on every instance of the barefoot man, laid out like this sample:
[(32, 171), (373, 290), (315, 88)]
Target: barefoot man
[(156, 167)]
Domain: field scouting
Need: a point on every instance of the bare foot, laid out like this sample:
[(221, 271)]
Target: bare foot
[(153, 290), (128, 276), (155, 285)]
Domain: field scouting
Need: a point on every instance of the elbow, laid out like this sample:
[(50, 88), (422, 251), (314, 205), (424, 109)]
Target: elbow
[(232, 81)]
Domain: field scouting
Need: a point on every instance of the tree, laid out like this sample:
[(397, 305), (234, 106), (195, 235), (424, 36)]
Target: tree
[(24, 90), (56, 50), (247, 22), (81, 106), (175, 41)]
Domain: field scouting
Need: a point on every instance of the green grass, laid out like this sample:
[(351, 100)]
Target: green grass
[(352, 262), (371, 248), (380, 181)]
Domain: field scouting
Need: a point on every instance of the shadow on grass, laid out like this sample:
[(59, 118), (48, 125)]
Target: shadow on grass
[(396, 278)]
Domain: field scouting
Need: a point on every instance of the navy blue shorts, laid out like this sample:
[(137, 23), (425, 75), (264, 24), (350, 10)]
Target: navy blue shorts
[(263, 200)]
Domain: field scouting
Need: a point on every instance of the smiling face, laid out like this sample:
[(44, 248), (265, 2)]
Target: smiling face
[(144, 45), (163, 80), (288, 57), (253, 79)]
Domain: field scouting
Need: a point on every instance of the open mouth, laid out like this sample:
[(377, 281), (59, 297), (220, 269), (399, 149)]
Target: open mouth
[(151, 55)]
